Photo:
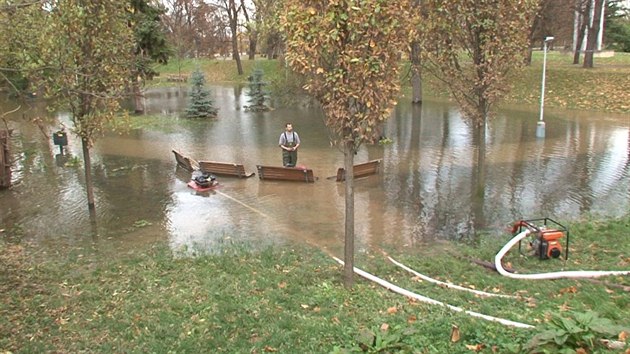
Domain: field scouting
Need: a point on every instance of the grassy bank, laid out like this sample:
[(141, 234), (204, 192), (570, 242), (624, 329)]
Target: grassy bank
[(605, 88), (292, 300)]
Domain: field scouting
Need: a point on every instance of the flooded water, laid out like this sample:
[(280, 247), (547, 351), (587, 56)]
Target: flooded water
[(426, 190)]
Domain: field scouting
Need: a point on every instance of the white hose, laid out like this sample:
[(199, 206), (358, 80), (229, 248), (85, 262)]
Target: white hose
[(419, 297), (552, 275), (448, 285)]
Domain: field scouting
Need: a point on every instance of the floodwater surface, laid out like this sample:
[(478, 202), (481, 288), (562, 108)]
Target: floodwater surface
[(428, 188)]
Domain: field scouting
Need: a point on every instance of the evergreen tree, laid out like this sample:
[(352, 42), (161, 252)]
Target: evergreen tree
[(200, 104), (258, 95)]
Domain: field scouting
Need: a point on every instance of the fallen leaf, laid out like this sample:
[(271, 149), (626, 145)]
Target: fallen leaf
[(571, 290), (384, 327), (336, 320), (304, 306), (612, 344), (623, 336), (269, 349), (282, 285), (581, 351), (412, 319), (564, 307), (392, 310), (454, 333), (475, 347)]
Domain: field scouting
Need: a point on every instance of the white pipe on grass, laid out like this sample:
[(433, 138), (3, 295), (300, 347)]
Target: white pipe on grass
[(448, 285), (419, 297), (552, 275)]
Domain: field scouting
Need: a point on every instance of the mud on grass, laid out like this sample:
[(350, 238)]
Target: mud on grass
[(292, 300)]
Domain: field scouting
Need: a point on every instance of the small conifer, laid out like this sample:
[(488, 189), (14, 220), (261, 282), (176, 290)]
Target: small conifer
[(200, 103), (258, 95)]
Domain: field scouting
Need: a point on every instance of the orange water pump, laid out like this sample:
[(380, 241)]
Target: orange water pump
[(547, 235)]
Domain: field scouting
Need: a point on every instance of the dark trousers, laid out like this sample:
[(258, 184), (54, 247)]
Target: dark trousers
[(289, 158)]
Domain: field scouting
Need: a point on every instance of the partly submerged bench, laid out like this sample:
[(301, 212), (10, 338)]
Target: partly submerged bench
[(224, 169), (186, 162), (285, 173), (361, 170)]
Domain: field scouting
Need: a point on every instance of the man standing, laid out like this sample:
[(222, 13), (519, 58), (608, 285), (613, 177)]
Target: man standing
[(289, 143)]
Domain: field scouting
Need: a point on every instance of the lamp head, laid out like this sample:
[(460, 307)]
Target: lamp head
[(548, 39)]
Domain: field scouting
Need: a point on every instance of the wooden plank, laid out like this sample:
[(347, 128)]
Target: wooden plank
[(285, 173), (225, 169), (361, 170), (186, 162)]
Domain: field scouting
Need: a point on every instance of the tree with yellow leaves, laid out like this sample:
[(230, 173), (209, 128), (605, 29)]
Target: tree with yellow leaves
[(348, 51)]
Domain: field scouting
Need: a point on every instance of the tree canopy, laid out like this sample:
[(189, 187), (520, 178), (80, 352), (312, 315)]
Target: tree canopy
[(474, 50)]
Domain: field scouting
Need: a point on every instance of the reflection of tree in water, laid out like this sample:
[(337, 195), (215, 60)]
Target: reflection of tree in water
[(478, 184)]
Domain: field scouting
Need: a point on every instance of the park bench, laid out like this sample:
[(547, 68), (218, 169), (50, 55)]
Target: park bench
[(225, 169), (286, 173), (176, 78), (186, 162), (360, 170)]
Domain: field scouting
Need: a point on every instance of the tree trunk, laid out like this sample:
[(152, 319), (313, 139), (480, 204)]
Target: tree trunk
[(253, 42), (87, 165), (5, 163), (348, 268), (233, 18), (138, 97), (593, 33), (580, 35), (236, 55), (416, 73), (480, 178)]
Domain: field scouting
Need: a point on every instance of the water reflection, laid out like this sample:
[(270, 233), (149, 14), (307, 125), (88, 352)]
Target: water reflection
[(432, 185)]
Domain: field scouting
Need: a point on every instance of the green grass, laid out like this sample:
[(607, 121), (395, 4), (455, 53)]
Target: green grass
[(221, 71), (605, 88), (292, 300)]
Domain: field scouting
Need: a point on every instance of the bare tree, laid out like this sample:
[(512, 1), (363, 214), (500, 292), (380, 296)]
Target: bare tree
[(269, 28), (593, 32), (582, 11), (252, 30), (232, 10)]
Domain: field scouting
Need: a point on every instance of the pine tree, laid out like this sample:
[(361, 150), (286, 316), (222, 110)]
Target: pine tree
[(200, 104), (257, 93)]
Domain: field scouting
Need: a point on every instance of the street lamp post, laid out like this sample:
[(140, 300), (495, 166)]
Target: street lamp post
[(540, 127)]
